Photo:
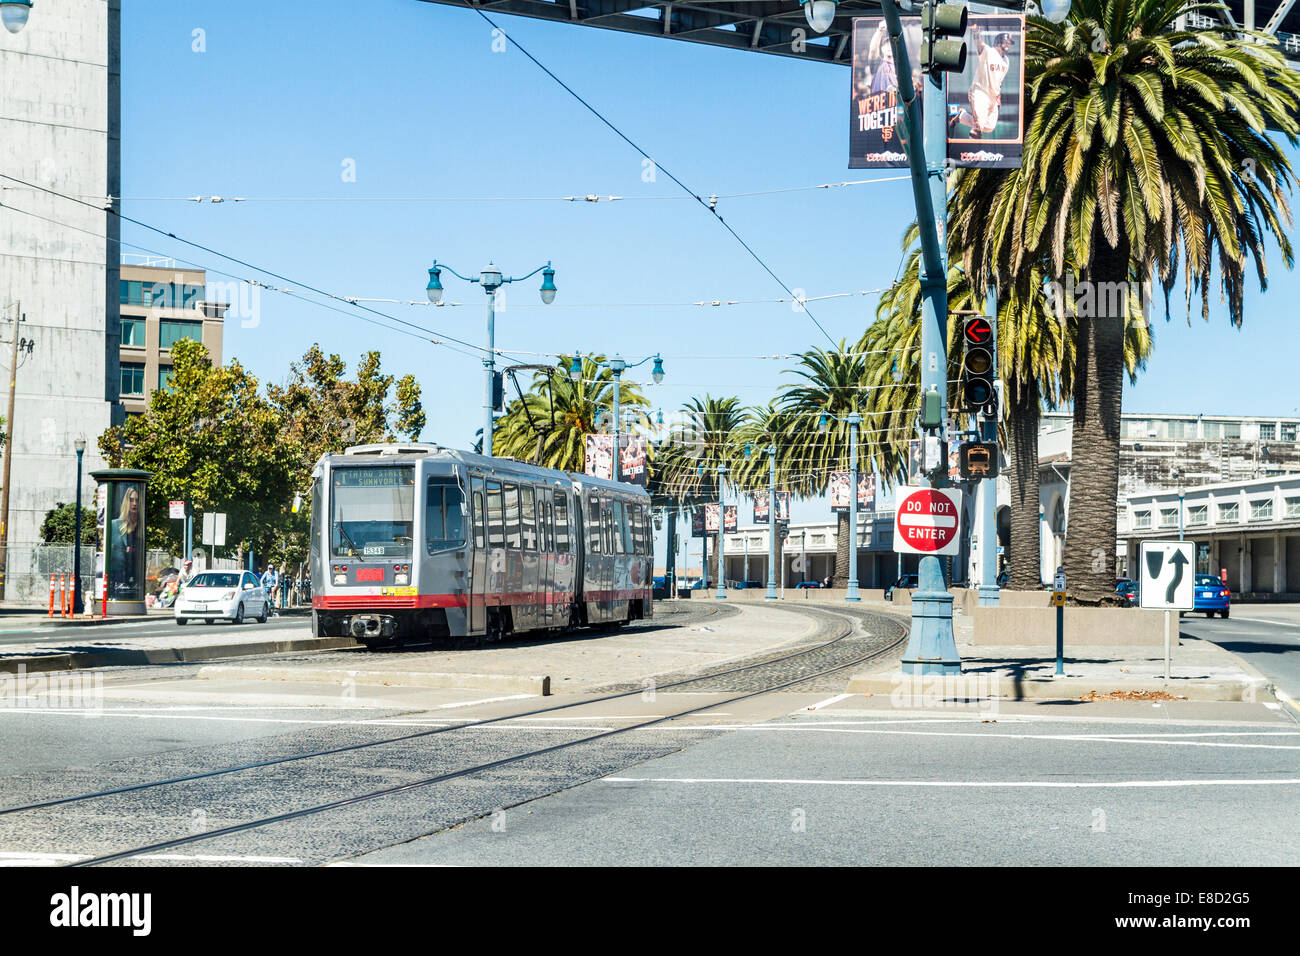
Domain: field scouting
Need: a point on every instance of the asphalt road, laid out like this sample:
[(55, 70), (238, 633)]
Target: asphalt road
[(845, 788), (1265, 636)]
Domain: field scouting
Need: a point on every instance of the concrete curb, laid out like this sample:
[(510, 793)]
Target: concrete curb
[(983, 687), (115, 657), (500, 683)]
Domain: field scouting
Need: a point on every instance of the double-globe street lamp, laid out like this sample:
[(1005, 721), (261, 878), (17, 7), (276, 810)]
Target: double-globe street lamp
[(854, 420), (491, 280), (617, 366)]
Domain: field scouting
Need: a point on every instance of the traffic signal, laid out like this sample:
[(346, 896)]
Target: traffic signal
[(978, 459), (979, 367), (498, 391), (940, 22)]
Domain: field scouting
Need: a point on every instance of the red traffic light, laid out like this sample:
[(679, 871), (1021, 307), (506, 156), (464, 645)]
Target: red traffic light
[(978, 331)]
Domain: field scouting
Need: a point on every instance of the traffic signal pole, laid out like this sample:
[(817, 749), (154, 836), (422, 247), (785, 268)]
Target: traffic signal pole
[(987, 505), (931, 645)]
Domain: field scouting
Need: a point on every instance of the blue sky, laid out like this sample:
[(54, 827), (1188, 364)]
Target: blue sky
[(414, 95)]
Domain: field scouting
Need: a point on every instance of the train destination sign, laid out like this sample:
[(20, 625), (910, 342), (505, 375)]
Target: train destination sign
[(927, 521)]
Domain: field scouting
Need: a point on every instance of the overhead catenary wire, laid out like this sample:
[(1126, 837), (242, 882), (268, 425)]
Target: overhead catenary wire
[(215, 271), (590, 198), (710, 207), (246, 264)]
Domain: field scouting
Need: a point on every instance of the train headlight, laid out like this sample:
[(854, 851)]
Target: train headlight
[(401, 579), (340, 579)]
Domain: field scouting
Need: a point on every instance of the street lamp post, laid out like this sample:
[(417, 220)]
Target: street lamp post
[(721, 593), (854, 420), (617, 366), (77, 606), (491, 280), (771, 524)]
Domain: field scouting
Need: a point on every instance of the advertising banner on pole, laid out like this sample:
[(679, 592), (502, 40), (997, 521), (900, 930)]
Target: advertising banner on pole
[(711, 518), (839, 491), (761, 515), (985, 101), (598, 461), (697, 523), (599, 458)]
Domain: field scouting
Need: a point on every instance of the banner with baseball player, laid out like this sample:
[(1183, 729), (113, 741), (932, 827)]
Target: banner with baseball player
[(761, 510), (985, 101)]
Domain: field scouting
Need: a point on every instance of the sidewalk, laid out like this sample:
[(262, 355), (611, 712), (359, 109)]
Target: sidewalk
[(1199, 670)]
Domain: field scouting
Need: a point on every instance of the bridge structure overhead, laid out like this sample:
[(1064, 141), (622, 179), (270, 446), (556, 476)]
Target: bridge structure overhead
[(779, 26)]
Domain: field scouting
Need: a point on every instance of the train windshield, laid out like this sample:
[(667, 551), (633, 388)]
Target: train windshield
[(372, 511)]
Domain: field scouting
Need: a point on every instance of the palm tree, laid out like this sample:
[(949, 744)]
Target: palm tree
[(1146, 149), (831, 383), (549, 424), (1036, 349), (684, 469)]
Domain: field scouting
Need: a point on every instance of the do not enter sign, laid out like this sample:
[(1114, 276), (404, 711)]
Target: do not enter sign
[(928, 521)]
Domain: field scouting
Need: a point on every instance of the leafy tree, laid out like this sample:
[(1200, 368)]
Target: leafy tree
[(1146, 150), (60, 524), (214, 441)]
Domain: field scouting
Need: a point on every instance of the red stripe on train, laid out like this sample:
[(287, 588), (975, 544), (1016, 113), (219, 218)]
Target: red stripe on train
[(363, 602)]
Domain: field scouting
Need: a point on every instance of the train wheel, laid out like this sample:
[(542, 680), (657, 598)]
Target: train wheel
[(575, 619)]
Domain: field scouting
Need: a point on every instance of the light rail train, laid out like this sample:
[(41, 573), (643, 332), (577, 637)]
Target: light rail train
[(414, 542)]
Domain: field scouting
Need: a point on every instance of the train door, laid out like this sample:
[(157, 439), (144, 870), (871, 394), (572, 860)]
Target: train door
[(529, 560), (545, 558), (609, 559), (495, 556), (566, 561), (478, 558), (594, 570), (514, 577)]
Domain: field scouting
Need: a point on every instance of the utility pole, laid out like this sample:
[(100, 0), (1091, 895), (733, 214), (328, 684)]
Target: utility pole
[(771, 525), (19, 318)]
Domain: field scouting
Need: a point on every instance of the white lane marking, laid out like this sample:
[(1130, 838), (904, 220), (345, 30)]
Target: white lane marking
[(1092, 738), (975, 784), (1266, 620), (829, 700), (485, 700), (18, 858)]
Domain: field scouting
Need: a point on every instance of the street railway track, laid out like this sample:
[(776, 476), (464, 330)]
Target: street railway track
[(834, 649)]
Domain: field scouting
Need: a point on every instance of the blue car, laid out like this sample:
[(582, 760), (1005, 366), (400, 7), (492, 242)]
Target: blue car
[(1211, 595)]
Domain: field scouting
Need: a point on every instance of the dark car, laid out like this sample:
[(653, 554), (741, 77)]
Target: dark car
[(803, 585), (907, 581), (741, 585), (1211, 595), (1128, 591)]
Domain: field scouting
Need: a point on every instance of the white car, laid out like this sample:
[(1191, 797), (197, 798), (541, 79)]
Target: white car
[(231, 595)]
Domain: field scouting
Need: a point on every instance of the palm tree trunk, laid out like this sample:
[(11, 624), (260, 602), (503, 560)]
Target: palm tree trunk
[(841, 578), (1094, 450), (1023, 550)]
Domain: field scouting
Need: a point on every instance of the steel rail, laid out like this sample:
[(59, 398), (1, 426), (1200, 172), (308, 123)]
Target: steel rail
[(347, 748), (506, 761)]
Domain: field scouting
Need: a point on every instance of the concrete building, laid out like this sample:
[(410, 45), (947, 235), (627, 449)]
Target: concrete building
[(808, 553), (161, 305), (1246, 531), (60, 131)]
